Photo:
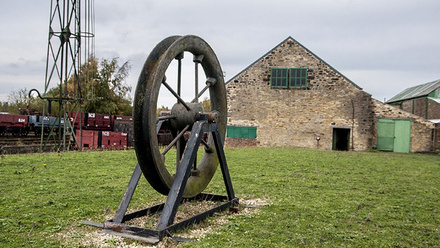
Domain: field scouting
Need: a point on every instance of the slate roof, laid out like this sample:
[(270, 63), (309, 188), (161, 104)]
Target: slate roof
[(290, 37), (416, 91)]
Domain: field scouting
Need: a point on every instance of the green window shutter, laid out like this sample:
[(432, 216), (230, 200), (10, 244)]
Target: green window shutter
[(298, 78), (241, 132), (279, 78)]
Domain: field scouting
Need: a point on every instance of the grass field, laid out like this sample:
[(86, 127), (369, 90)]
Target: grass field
[(312, 198)]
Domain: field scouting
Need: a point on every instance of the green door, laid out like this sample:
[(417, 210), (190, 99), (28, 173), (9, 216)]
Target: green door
[(394, 135), (402, 132), (385, 134)]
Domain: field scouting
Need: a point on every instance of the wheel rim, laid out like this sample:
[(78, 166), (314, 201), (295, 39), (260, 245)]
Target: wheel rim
[(145, 119)]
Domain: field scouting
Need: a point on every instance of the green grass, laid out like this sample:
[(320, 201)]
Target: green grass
[(317, 198)]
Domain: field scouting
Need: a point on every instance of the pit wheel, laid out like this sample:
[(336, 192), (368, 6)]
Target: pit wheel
[(146, 121)]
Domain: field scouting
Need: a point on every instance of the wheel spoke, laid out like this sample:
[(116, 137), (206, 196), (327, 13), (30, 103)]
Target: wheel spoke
[(197, 60), (166, 117), (207, 147), (179, 99), (209, 82), (179, 73), (175, 140)]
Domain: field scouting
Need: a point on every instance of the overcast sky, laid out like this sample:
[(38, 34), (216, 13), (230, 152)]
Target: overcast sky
[(383, 46)]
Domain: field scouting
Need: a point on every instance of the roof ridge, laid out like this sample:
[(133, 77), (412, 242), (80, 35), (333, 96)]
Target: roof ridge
[(290, 37)]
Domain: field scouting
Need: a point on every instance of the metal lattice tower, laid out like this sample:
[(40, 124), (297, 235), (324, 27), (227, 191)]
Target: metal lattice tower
[(70, 43)]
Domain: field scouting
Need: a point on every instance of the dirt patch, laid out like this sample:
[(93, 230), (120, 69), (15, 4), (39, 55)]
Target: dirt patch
[(93, 238)]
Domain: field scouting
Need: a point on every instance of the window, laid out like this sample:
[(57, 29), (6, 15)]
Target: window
[(241, 132), (298, 78), (288, 78), (279, 77)]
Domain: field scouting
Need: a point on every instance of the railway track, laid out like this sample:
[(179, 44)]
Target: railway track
[(27, 144)]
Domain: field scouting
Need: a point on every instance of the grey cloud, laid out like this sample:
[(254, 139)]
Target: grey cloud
[(372, 41)]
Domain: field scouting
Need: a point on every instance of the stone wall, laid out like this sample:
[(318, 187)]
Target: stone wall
[(407, 106), (295, 117), (420, 106), (422, 130), (437, 137)]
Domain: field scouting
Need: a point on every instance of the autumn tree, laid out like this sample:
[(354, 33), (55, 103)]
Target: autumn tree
[(101, 87), (206, 104), (108, 92)]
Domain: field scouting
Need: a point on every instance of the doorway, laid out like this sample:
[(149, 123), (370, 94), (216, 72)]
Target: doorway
[(341, 139), (394, 135)]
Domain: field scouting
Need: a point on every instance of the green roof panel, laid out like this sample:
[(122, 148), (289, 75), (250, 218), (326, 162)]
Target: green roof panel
[(416, 91)]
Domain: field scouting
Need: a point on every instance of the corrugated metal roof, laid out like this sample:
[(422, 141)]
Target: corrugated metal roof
[(416, 91)]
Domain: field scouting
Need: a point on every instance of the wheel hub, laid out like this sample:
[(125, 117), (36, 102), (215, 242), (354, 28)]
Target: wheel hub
[(183, 117)]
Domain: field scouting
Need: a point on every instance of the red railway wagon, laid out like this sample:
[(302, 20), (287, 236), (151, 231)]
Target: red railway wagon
[(92, 121), (15, 124), (92, 139), (89, 139), (100, 121), (113, 140), (124, 118), (124, 124)]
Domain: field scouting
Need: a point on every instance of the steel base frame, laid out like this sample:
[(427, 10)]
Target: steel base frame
[(166, 224)]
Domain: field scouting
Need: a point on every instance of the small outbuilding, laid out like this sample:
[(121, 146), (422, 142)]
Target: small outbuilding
[(422, 100)]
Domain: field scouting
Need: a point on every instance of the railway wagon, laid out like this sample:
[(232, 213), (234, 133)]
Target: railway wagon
[(92, 139), (113, 140), (47, 123), (124, 124), (124, 117), (92, 121), (17, 125)]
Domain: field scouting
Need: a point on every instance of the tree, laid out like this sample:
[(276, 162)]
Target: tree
[(102, 87), (4, 106), (110, 93), (206, 104), (19, 102), (162, 109)]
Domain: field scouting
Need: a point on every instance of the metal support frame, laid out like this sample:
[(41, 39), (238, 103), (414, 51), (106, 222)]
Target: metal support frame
[(70, 42), (166, 223)]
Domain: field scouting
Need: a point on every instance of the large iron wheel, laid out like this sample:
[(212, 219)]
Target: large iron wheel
[(183, 114)]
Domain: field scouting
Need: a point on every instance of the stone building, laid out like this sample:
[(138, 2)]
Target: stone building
[(291, 97)]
